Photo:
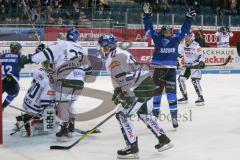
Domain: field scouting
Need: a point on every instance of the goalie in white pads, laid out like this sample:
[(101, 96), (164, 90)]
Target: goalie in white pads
[(70, 66), (133, 87), (193, 61), (38, 101)]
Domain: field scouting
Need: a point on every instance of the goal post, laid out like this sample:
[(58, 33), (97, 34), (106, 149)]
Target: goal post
[(1, 108)]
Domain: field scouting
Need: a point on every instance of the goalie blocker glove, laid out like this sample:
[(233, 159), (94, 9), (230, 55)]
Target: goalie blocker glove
[(147, 9), (191, 13)]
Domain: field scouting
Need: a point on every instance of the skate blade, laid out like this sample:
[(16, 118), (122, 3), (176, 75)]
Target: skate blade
[(183, 102), (200, 104), (165, 147), (130, 156), (65, 138)]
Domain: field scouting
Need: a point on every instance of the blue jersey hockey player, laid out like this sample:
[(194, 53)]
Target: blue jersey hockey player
[(10, 72), (164, 60)]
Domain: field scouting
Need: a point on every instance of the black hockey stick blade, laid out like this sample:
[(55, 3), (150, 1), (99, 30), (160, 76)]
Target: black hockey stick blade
[(223, 64), (83, 136)]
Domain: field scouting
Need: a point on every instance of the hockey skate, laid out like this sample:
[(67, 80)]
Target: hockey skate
[(183, 100), (164, 143), (200, 101), (175, 123), (71, 126), (63, 134), (129, 152)]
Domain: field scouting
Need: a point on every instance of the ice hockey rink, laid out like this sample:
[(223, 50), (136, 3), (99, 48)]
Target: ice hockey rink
[(210, 132)]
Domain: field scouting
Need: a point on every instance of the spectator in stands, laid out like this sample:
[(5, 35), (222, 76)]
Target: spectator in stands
[(60, 22), (165, 7), (71, 23), (104, 5), (79, 22), (50, 20), (3, 12), (76, 10), (57, 3), (233, 6)]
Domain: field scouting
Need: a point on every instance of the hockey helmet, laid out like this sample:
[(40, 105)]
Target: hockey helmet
[(15, 47), (108, 41), (73, 34), (166, 31)]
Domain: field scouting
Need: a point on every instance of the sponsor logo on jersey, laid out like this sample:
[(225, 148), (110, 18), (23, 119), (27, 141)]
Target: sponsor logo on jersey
[(167, 50), (114, 64), (51, 93), (199, 50)]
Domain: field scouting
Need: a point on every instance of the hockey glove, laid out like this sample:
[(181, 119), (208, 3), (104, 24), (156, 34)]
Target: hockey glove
[(130, 107), (147, 9), (88, 70), (40, 48), (25, 60), (191, 13), (201, 65), (116, 94)]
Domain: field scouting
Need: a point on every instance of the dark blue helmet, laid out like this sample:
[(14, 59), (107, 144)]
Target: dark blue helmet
[(15, 47), (73, 34), (108, 40)]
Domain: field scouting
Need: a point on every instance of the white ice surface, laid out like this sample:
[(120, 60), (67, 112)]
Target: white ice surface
[(213, 133)]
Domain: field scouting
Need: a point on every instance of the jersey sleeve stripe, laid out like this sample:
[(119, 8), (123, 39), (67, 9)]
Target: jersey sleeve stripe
[(46, 55), (51, 53), (34, 109)]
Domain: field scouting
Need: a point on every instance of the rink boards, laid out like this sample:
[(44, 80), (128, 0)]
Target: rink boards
[(143, 54)]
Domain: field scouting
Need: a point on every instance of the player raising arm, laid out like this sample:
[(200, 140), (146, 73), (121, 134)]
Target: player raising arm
[(133, 87), (223, 35), (164, 60), (70, 66), (10, 72)]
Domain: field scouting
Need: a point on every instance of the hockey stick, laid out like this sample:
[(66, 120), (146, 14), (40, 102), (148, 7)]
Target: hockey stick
[(215, 65), (32, 23), (223, 64), (83, 136), (29, 113)]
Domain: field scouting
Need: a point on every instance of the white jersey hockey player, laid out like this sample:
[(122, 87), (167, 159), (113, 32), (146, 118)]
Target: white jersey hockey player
[(133, 87), (193, 61), (40, 94), (68, 77), (38, 101), (223, 35)]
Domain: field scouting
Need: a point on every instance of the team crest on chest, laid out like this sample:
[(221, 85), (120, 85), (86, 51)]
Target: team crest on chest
[(165, 42)]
